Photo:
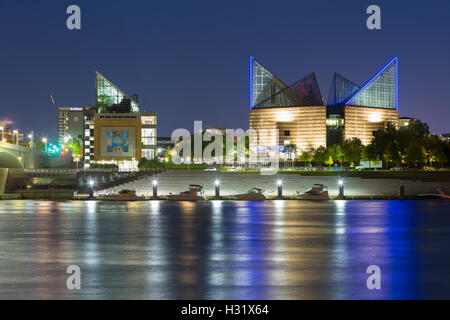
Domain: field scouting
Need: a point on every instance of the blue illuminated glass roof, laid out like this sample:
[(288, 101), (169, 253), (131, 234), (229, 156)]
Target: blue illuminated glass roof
[(341, 89), (381, 91)]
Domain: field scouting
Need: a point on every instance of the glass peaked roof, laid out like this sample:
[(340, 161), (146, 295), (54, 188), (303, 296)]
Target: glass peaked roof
[(267, 91), (341, 89), (304, 92), (107, 94), (381, 91), (263, 84)]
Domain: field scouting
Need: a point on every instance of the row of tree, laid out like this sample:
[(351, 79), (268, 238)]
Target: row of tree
[(412, 146)]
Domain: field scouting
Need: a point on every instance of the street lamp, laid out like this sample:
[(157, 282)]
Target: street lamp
[(217, 184), (155, 189), (31, 138), (188, 160), (16, 132), (91, 190), (341, 189), (280, 189), (45, 140)]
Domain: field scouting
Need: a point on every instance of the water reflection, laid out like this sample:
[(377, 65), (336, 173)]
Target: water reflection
[(224, 249)]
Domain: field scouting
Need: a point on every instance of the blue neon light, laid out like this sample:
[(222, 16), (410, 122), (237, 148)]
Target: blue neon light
[(396, 83), (251, 82), (376, 76)]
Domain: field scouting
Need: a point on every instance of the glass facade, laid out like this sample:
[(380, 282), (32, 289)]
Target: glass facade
[(380, 91), (263, 84), (267, 91), (148, 136), (341, 89), (108, 95)]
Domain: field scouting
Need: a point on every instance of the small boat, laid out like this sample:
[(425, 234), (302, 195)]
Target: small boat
[(439, 195), (123, 195), (193, 193), (254, 194), (316, 192)]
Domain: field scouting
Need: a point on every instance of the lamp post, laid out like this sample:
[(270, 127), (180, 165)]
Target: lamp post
[(341, 188), (217, 184), (16, 132), (45, 140), (188, 161), (31, 138), (155, 189), (280, 189), (402, 192), (91, 189)]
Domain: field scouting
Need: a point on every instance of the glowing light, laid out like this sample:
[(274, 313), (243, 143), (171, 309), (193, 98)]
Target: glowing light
[(279, 182), (217, 183), (284, 116), (91, 183), (375, 117), (155, 182), (341, 182)]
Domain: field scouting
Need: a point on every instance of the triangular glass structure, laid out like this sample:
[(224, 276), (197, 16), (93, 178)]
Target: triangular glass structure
[(263, 84), (108, 94), (341, 89), (304, 92), (381, 91)]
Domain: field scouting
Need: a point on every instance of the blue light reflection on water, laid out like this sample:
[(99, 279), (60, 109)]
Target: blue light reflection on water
[(224, 249)]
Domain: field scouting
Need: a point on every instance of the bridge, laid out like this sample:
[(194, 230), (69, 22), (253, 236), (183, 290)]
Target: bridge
[(14, 156)]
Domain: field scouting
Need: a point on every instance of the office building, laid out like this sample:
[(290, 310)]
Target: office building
[(70, 124)]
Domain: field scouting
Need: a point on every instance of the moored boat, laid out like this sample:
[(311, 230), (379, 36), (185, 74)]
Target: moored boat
[(254, 194), (123, 195), (439, 195), (316, 192), (193, 193)]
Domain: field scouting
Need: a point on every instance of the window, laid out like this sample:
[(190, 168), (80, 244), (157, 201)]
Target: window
[(148, 120), (287, 133)]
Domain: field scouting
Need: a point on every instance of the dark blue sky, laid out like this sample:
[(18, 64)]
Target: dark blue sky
[(188, 60)]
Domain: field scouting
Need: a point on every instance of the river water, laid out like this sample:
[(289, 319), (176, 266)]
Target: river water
[(225, 249)]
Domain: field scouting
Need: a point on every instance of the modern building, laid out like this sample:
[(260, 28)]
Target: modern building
[(403, 122), (149, 138), (296, 114), (70, 124), (115, 131)]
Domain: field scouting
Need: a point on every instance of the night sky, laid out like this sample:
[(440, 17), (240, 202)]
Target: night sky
[(188, 60)]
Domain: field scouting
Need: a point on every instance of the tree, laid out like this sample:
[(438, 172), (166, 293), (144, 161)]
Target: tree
[(369, 152), (335, 151), (392, 154), (329, 161), (415, 154), (305, 157), (351, 150), (321, 155)]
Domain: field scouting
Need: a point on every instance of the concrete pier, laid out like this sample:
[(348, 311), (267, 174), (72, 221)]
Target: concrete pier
[(235, 182)]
